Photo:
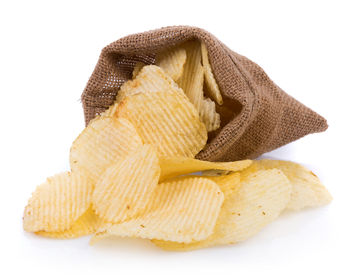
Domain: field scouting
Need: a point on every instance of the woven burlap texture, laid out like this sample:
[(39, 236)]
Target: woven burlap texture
[(263, 116)]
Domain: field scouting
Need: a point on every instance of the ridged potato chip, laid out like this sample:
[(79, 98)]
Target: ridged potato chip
[(228, 184), (192, 81), (182, 210), (174, 166), (172, 62), (138, 67), (167, 120), (209, 116), (126, 187), (86, 224), (260, 199), (58, 203), (192, 78), (307, 189), (248, 206), (209, 79), (101, 143), (151, 78)]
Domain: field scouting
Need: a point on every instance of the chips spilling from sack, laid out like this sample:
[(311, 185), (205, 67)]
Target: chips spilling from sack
[(132, 168)]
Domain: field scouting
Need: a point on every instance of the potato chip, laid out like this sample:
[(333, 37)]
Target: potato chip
[(84, 225), (192, 81), (138, 67), (229, 184), (248, 206), (101, 143), (174, 166), (182, 210), (147, 79), (307, 189), (260, 200), (209, 116), (126, 187), (172, 62), (167, 120), (192, 78), (209, 79), (58, 203), (151, 78)]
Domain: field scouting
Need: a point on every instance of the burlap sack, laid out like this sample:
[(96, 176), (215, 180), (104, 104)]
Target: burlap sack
[(257, 115)]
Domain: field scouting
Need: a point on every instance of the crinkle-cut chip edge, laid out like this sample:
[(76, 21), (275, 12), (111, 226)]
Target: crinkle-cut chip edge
[(86, 224), (35, 217)]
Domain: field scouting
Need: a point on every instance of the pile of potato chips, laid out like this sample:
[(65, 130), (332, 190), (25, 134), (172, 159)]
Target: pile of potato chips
[(132, 168)]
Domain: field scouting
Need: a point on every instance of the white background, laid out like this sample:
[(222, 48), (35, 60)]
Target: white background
[(48, 51)]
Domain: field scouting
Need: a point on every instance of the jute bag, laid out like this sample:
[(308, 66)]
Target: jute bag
[(257, 116)]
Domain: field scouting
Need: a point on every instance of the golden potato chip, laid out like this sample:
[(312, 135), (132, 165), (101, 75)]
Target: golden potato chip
[(126, 187), (229, 184), (192, 78), (182, 210), (174, 166), (167, 120), (209, 116), (307, 189), (212, 86), (151, 78), (172, 62), (101, 143), (138, 67), (248, 206), (84, 225), (192, 81), (260, 200), (58, 203)]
